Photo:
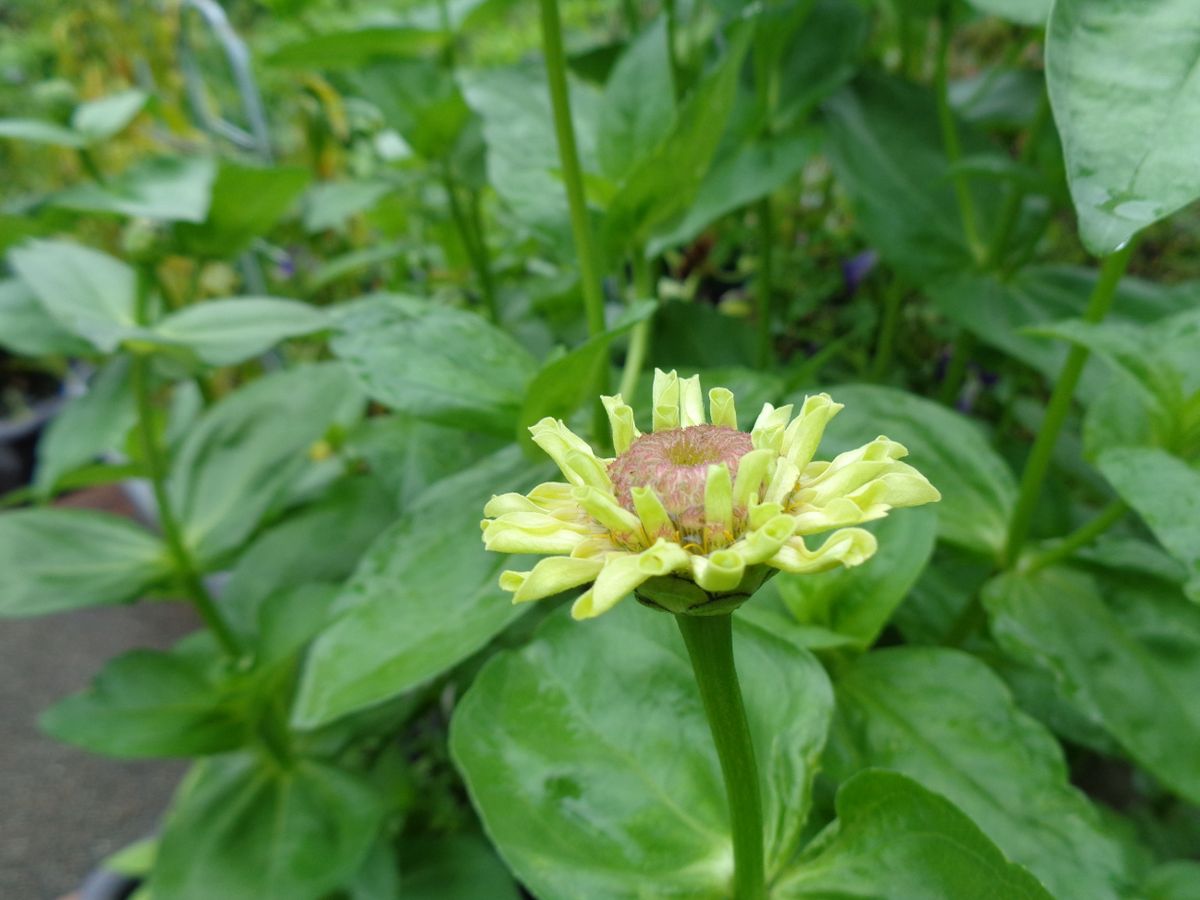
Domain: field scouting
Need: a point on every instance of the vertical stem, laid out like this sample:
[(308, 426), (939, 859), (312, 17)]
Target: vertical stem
[(639, 341), (1007, 217), (962, 191), (564, 131), (156, 465), (766, 280), (709, 641), (1038, 462), (1082, 536), (472, 243), (672, 12), (957, 369), (887, 330)]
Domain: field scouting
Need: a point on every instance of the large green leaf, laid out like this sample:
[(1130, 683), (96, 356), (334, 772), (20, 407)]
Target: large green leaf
[(637, 110), (436, 363), (225, 332), (240, 458), (424, 598), (38, 131), (893, 838), (420, 99), (1131, 664), (1125, 90), (943, 718), (27, 329), (148, 704), (352, 48), (461, 867), (1165, 492), (1023, 12), (88, 292), (173, 189), (57, 559), (978, 489), (99, 119), (821, 56), (590, 761), (245, 828), (247, 201), (859, 602), (90, 424), (330, 203)]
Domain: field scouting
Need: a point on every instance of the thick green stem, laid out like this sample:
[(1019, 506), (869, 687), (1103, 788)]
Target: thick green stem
[(1080, 537), (709, 641), (564, 131), (953, 148), (1038, 462), (473, 244), (156, 468), (886, 340), (639, 340)]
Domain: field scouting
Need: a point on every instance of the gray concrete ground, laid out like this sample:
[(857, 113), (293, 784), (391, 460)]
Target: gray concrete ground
[(62, 809)]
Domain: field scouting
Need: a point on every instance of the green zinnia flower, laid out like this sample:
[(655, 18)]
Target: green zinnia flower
[(696, 515)]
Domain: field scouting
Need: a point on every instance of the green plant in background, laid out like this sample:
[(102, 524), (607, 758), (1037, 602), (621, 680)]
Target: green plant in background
[(321, 370)]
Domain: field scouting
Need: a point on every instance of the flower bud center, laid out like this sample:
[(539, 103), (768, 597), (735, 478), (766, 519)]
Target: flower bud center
[(675, 464)]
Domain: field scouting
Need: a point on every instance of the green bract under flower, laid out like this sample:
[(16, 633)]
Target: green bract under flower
[(694, 516)]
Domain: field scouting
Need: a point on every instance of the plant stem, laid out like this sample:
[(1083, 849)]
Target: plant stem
[(669, 7), (1080, 537), (1040, 455), (1007, 217), (156, 468), (564, 131), (766, 280), (473, 244), (639, 340), (709, 641), (957, 369), (886, 340), (962, 190)]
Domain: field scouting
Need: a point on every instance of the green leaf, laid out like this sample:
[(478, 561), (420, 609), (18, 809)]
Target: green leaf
[(424, 598), (461, 867), (420, 99), (247, 202), (171, 189), (243, 455), (1165, 492), (58, 559), (244, 828), (230, 331), (893, 838), (822, 54), (27, 329), (435, 363), (149, 704), (353, 48), (568, 381), (330, 203), (38, 131), (978, 489), (90, 424), (637, 109), (88, 292), (886, 147), (1175, 880), (858, 603), (1131, 664), (1126, 129), (589, 759), (97, 120), (944, 719), (1023, 12)]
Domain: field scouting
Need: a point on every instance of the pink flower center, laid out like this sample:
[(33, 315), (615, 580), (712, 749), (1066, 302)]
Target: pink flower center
[(675, 464)]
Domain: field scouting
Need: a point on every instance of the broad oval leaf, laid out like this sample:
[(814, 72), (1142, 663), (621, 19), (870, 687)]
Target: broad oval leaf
[(1125, 90), (436, 363), (225, 332), (245, 828), (590, 761), (171, 189), (28, 329), (943, 718), (637, 110), (1023, 12), (424, 598), (978, 489), (99, 119), (247, 201), (1130, 664), (59, 559), (894, 838)]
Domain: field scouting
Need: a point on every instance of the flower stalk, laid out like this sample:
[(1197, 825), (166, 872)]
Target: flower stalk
[(709, 641)]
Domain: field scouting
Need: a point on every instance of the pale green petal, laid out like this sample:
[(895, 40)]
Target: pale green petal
[(851, 470), (549, 577), (802, 437), (603, 507), (666, 400), (571, 454), (654, 517), (719, 571), (526, 532), (783, 481), (718, 498), (763, 543), (691, 402), (752, 471), (621, 575), (847, 547), (507, 503), (762, 513), (721, 409), (841, 512), (900, 486), (768, 429), (620, 420)]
